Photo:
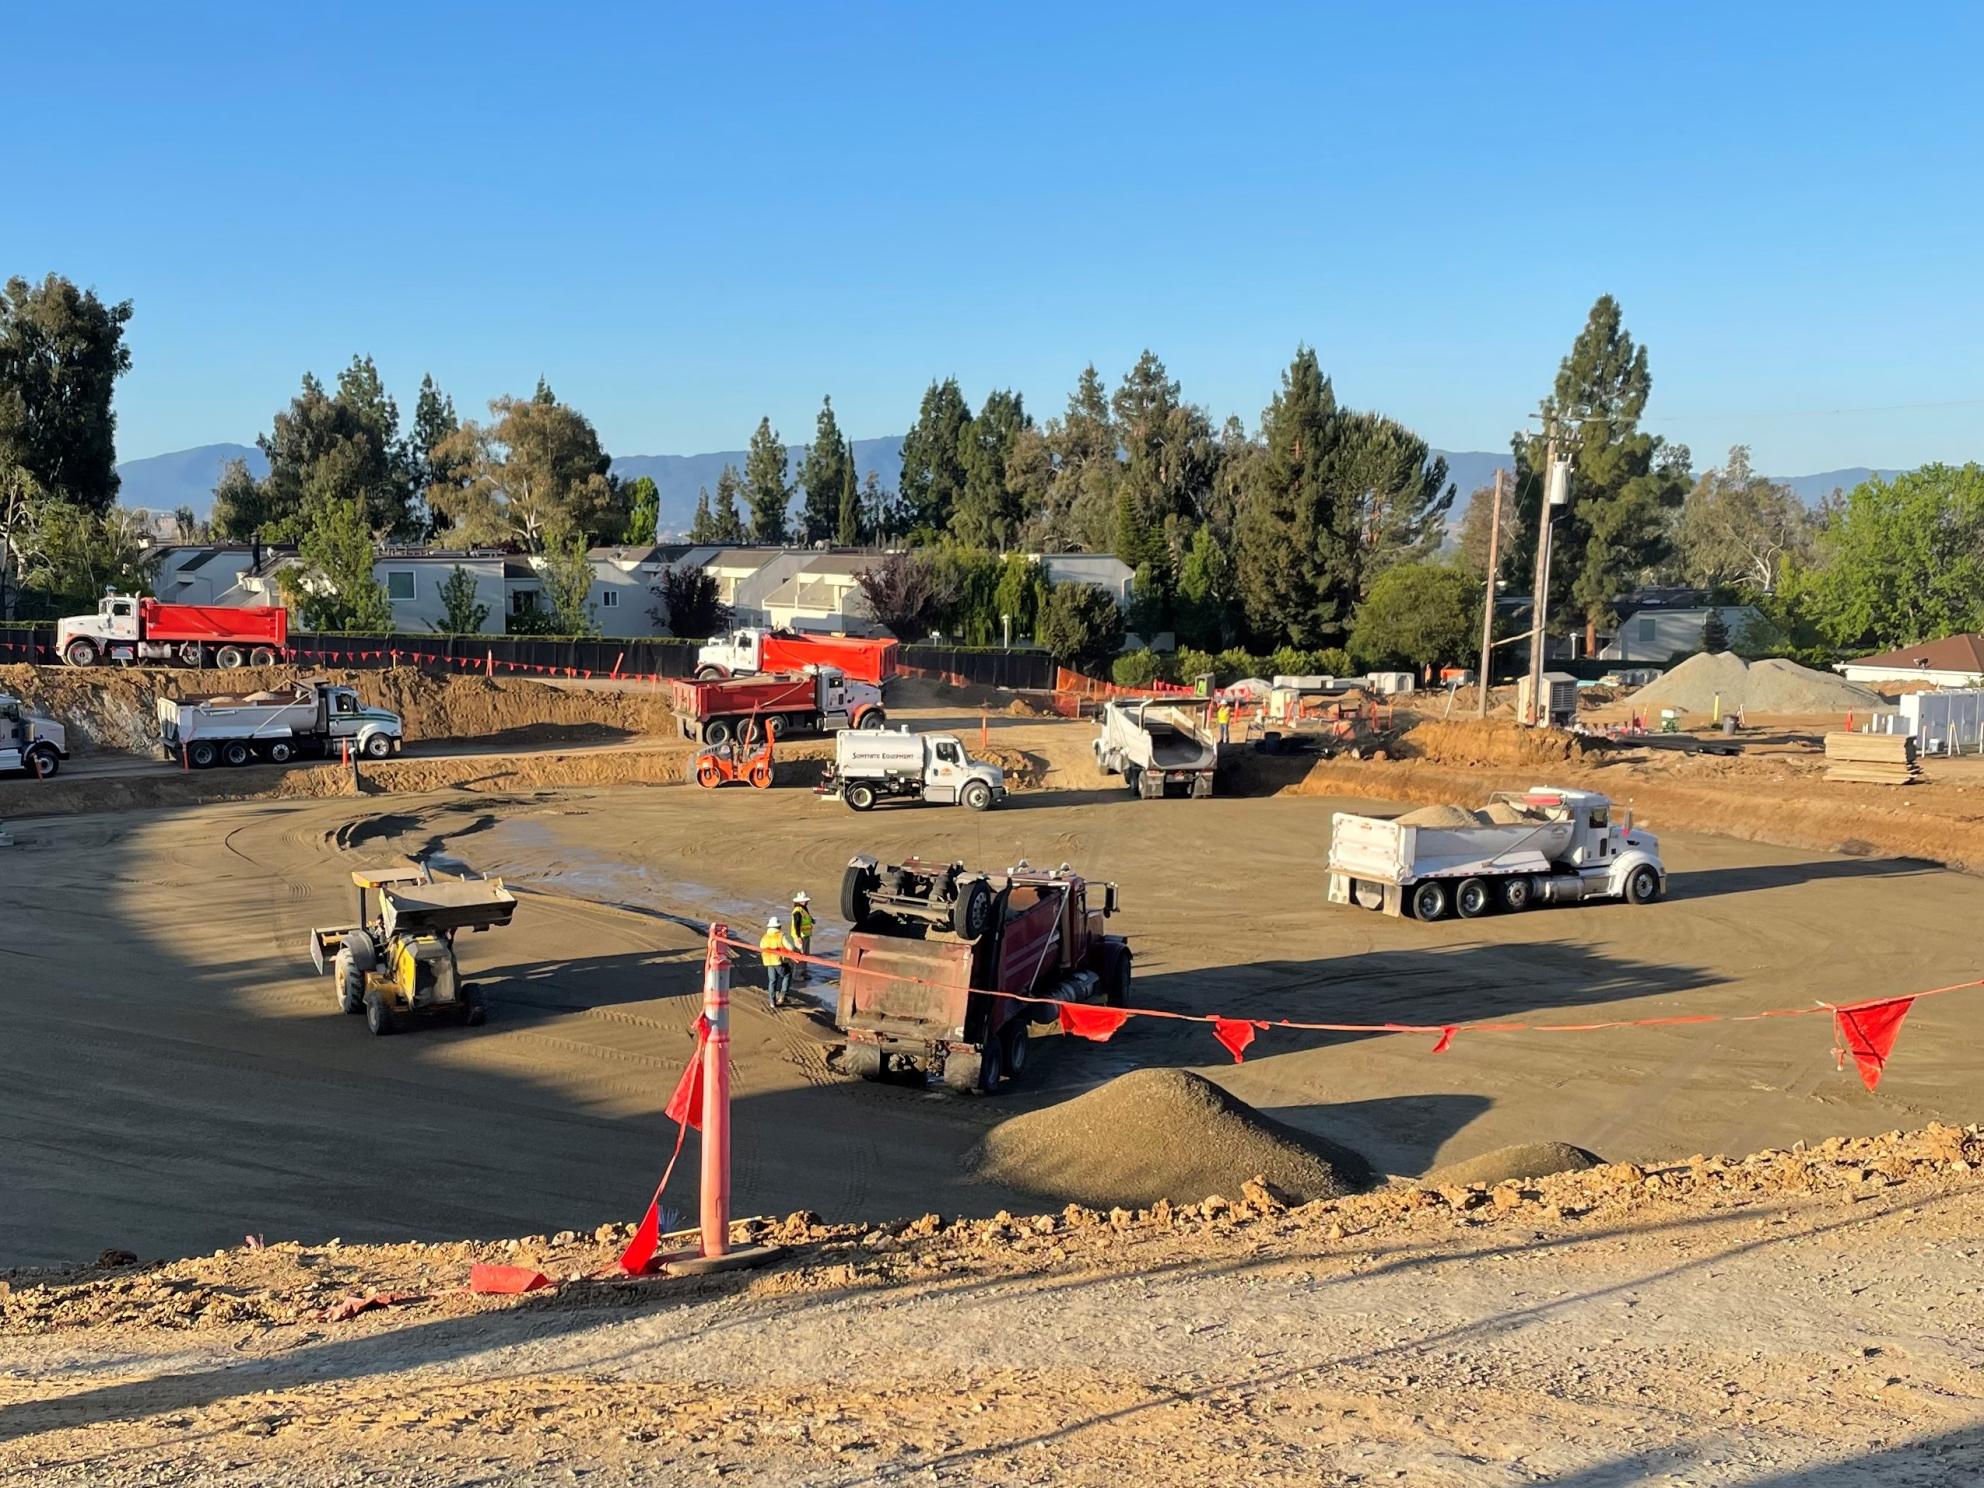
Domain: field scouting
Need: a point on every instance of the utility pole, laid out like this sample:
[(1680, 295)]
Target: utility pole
[(1539, 603), (1488, 599)]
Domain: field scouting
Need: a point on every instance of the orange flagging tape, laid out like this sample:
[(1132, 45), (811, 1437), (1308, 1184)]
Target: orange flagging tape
[(1445, 1032)]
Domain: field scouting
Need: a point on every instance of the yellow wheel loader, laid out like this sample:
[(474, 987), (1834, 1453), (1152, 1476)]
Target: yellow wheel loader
[(399, 959)]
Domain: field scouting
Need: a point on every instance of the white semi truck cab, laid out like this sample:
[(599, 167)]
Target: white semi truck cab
[(871, 765), (29, 740), (1545, 845)]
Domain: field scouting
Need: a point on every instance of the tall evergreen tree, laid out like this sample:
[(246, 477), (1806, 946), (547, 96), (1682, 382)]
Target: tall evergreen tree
[(728, 526), (1296, 566), (878, 509), (932, 468), (426, 464), (643, 499), (765, 484), (1392, 495), (987, 512), (1066, 474), (821, 475), (1625, 484), (61, 353), (847, 526), (702, 526)]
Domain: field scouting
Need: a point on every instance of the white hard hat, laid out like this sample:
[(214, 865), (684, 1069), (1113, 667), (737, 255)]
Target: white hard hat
[(802, 898), (772, 922)]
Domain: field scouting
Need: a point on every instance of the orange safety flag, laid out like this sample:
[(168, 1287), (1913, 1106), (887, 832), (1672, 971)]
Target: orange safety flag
[(1085, 1020), (1446, 1038), (1236, 1034), (640, 1251), (505, 1280), (685, 1107), (1868, 1034)]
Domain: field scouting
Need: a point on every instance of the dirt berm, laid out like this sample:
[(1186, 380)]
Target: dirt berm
[(117, 710), (1160, 1134)]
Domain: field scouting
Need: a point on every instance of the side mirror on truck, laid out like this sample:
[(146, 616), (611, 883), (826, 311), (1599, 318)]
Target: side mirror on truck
[(1109, 899)]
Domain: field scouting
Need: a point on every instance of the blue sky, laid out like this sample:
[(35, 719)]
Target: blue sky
[(688, 216)]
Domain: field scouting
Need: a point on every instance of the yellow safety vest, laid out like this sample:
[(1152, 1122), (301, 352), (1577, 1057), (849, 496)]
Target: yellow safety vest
[(802, 923), (770, 946), (1225, 713)]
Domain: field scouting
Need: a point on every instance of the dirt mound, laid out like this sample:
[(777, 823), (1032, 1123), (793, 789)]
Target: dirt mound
[(1770, 686), (117, 710), (1524, 1160), (1475, 741), (1160, 1134)]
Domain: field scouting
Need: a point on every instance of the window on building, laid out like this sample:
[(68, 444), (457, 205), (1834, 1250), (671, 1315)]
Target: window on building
[(1647, 628), (609, 599), (399, 584), (523, 601)]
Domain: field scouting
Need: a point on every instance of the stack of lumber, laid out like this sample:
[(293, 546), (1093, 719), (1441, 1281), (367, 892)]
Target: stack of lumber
[(1872, 759)]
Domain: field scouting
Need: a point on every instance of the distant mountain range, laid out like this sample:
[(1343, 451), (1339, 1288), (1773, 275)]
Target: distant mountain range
[(163, 483)]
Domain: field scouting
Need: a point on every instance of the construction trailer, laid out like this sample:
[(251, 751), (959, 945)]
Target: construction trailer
[(929, 946), (1155, 745), (130, 628), (1545, 845), (305, 718)]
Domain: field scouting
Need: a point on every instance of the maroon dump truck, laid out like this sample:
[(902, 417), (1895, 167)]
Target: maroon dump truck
[(817, 700), (928, 942)]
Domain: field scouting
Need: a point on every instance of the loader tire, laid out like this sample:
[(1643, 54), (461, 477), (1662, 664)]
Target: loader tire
[(350, 984), (378, 1017)]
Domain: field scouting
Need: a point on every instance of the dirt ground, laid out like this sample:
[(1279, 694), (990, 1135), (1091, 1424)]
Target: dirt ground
[(1794, 1320)]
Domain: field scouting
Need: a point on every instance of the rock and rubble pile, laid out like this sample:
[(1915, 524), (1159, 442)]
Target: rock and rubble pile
[(1493, 741), (1773, 685)]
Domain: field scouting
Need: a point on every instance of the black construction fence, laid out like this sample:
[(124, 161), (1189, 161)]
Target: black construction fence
[(987, 666)]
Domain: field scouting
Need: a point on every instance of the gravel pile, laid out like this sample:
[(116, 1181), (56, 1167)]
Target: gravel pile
[(1770, 686), (1160, 1134), (1524, 1160)]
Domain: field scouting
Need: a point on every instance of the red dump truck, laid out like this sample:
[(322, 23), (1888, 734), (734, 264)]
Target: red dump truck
[(750, 649), (927, 945), (820, 699), (131, 628)]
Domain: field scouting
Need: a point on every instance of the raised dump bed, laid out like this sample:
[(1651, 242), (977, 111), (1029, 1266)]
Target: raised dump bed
[(1156, 746)]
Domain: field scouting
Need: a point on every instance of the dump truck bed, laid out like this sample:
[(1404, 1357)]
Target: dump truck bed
[(224, 715), (1389, 851)]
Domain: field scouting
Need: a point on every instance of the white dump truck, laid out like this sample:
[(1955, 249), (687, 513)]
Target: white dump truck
[(1154, 745), (873, 765), (29, 740), (303, 718), (1544, 845)]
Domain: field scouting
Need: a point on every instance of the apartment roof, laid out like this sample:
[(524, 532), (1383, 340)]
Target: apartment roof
[(1955, 653)]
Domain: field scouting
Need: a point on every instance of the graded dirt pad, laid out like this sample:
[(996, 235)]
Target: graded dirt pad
[(1800, 1318), (108, 708), (1524, 1160), (1492, 741), (1774, 685), (1160, 1134)]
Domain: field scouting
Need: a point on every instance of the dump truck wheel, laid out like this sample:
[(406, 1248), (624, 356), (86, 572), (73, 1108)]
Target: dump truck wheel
[(1473, 899), (229, 657), (1429, 901), (378, 746), (991, 1068), (710, 674), (191, 655), (872, 720), (856, 884), (776, 725), (1518, 893), (1642, 885), (378, 1017), (863, 1060), (860, 797), (43, 762), (971, 914), (716, 731), (235, 754), (349, 982), (1133, 780), (977, 795), (1118, 992), (282, 751), (1014, 1038), (80, 654), (262, 656), (201, 754)]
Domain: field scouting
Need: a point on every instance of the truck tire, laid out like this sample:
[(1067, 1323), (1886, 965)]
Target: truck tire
[(281, 751), (971, 913), (190, 655), (201, 754), (43, 762), (349, 983), (81, 653), (1133, 780), (776, 725), (1473, 899), (977, 795), (378, 746), (378, 1017), (1013, 1049), (991, 1068), (859, 796), (856, 884), (1518, 893), (262, 656), (864, 1061), (1117, 991), (709, 673), (716, 731), (873, 719), (235, 753), (1642, 885), (1429, 900), (229, 657)]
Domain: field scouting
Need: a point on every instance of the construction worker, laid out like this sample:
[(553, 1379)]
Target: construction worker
[(1225, 721), (773, 947), (802, 932)]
